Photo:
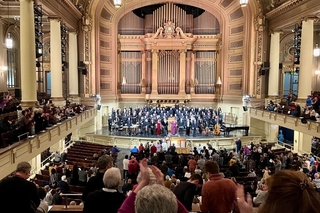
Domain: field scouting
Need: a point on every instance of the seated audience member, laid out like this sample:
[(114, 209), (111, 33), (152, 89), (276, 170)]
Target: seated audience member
[(127, 187), (18, 194), (218, 194), (252, 173), (57, 199), (96, 182), (154, 198), (167, 182), (262, 194), (186, 191), (64, 185), (289, 191), (316, 181), (49, 196), (107, 197), (43, 207)]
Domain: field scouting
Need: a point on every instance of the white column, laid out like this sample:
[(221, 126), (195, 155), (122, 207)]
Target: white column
[(302, 143), (273, 82), (27, 54), (55, 60), (73, 64), (306, 59)]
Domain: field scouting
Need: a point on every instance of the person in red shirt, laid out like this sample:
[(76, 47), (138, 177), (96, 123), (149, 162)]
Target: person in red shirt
[(153, 149), (133, 168)]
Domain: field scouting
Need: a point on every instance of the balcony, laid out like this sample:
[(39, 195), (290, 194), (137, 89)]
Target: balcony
[(310, 128), (29, 148)]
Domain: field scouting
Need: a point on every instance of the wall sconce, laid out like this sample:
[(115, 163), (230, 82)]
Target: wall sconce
[(219, 82), (317, 72), (9, 41), (316, 51), (124, 81), (3, 69), (243, 3), (117, 3)]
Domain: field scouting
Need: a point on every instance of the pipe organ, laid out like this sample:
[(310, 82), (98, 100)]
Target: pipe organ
[(168, 72), (170, 62), (205, 72), (131, 72)]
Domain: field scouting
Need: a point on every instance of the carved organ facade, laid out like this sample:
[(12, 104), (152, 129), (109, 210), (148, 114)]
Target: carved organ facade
[(168, 54)]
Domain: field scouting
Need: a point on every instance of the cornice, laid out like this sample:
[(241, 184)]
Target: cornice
[(284, 8), (74, 9)]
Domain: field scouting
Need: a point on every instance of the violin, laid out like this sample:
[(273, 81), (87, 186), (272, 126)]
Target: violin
[(216, 130)]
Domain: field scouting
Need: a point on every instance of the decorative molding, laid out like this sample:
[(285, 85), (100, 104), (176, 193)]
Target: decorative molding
[(288, 5)]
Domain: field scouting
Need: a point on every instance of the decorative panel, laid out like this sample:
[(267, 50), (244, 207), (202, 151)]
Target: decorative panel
[(105, 85), (234, 86), (105, 44), (236, 14), (105, 14), (105, 30), (206, 24), (236, 30), (105, 58), (105, 71), (226, 3), (236, 44), (235, 58), (235, 72)]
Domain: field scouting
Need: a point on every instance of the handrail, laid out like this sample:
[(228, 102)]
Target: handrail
[(285, 145), (66, 195)]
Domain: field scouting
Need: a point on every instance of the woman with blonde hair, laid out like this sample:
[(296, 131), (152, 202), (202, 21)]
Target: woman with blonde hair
[(288, 191)]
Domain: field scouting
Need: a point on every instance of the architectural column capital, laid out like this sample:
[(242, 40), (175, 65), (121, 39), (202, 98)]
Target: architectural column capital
[(155, 51), (310, 18), (76, 32), (54, 18), (275, 31), (182, 51)]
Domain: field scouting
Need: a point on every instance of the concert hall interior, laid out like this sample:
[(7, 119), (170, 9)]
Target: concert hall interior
[(199, 70)]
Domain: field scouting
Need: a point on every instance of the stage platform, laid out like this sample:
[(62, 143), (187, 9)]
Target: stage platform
[(128, 142)]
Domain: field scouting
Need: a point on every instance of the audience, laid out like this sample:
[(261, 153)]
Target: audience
[(18, 189), (107, 197)]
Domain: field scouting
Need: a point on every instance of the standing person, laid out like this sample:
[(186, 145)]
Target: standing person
[(238, 144), (96, 182), (218, 194), (125, 164), (108, 196), (186, 191), (18, 189)]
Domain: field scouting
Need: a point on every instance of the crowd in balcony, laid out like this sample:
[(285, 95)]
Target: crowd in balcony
[(17, 123), (310, 110)]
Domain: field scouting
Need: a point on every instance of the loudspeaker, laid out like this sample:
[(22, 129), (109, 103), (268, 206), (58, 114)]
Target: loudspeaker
[(17, 93), (84, 71), (280, 66), (98, 107), (266, 65), (81, 64), (245, 108), (262, 71)]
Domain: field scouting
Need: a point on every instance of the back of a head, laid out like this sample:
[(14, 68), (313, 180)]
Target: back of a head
[(290, 192), (23, 167), (104, 161), (156, 199), (212, 167), (112, 178), (197, 177), (151, 175)]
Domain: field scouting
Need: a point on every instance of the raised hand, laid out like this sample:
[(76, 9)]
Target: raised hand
[(145, 177), (159, 175), (244, 206)]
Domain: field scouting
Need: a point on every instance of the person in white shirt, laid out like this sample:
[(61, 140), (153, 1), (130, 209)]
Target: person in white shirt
[(125, 163), (199, 149), (164, 146)]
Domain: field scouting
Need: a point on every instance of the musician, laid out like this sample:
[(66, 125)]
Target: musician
[(110, 123), (174, 127), (188, 126), (158, 127), (145, 127), (194, 127), (152, 126)]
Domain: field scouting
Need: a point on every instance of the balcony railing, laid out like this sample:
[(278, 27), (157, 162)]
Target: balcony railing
[(288, 121), (27, 149)]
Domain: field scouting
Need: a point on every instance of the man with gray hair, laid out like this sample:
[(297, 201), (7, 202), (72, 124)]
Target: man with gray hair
[(106, 197), (96, 182), (17, 188)]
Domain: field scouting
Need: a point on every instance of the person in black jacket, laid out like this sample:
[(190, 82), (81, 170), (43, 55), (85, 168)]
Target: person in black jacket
[(186, 191), (18, 194), (96, 182)]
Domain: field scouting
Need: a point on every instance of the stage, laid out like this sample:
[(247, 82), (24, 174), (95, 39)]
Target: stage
[(105, 137)]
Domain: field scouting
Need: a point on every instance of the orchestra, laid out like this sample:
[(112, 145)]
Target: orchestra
[(161, 121)]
